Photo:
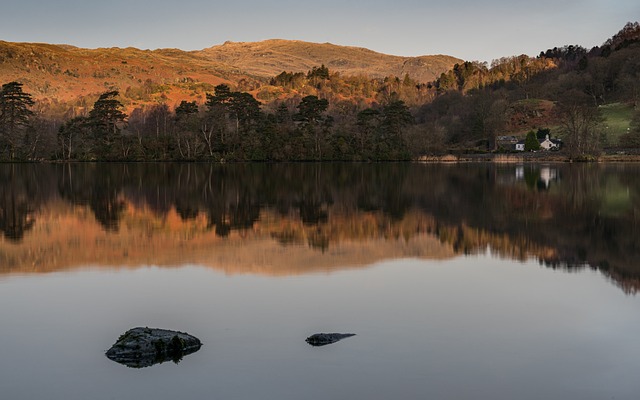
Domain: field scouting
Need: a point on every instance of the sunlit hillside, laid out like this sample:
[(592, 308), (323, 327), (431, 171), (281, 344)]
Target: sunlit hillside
[(66, 73), (58, 74), (270, 57)]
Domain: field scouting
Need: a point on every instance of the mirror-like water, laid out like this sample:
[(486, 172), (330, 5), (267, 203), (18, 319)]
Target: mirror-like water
[(461, 282)]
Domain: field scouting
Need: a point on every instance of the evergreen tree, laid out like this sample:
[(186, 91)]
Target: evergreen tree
[(321, 72), (368, 123), (245, 109), (191, 132), (106, 121), (531, 142), (311, 110), (218, 111), (395, 117), (186, 108), (313, 122), (15, 116), (107, 116)]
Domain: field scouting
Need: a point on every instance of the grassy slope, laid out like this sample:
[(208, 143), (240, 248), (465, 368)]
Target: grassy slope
[(617, 117), (531, 114)]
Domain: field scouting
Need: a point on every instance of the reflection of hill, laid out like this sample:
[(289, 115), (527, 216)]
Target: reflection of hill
[(285, 219), (70, 237), (67, 237)]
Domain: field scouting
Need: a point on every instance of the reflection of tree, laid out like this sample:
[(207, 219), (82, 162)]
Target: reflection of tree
[(106, 206), (23, 188), (229, 201), (464, 200), (319, 240), (312, 213), (99, 187), (186, 211), (16, 214), (571, 217), (590, 216), (313, 196)]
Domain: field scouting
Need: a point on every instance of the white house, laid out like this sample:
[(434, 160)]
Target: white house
[(546, 144)]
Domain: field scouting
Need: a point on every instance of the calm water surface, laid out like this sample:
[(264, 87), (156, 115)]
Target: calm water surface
[(461, 282)]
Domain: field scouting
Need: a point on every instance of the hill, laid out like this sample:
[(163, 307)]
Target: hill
[(64, 73), (270, 57)]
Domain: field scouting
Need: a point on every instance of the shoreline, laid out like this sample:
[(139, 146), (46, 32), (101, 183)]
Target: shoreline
[(527, 158), (511, 158)]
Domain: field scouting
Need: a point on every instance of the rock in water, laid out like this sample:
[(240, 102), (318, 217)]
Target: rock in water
[(144, 347), (322, 339)]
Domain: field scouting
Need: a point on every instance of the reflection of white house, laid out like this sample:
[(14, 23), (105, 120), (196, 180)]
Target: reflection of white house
[(543, 177), (547, 175)]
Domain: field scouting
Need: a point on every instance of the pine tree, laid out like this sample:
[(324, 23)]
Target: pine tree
[(15, 116), (531, 142), (106, 120), (107, 116)]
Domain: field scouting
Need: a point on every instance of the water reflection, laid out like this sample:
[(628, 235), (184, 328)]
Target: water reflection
[(279, 218), (536, 178)]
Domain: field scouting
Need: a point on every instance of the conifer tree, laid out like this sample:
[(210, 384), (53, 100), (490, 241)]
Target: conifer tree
[(15, 116), (106, 120), (107, 116), (531, 142)]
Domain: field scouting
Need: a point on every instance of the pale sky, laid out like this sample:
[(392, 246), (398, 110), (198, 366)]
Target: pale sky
[(472, 30)]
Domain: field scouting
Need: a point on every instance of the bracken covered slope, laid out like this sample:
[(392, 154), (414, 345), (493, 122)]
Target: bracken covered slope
[(270, 57), (65, 73)]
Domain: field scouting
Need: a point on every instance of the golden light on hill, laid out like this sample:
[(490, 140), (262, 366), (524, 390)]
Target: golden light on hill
[(58, 73)]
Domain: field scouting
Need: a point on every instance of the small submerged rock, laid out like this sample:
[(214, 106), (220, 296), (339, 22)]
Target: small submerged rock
[(322, 339), (144, 347)]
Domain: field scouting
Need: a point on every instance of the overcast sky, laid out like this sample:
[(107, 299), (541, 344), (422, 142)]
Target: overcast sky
[(472, 30)]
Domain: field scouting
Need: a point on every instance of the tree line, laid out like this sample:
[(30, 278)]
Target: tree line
[(322, 115), (229, 126)]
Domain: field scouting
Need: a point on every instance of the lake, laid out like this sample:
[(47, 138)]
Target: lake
[(469, 281)]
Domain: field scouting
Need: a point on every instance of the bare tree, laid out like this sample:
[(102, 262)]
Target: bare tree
[(582, 124)]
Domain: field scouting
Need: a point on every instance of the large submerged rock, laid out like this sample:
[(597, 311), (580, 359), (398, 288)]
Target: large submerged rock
[(322, 339), (144, 347)]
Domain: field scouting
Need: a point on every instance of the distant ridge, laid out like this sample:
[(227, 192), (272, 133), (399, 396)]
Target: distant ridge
[(270, 57)]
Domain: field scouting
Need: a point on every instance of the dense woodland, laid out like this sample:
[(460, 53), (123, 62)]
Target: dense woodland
[(322, 115)]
